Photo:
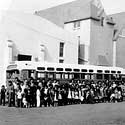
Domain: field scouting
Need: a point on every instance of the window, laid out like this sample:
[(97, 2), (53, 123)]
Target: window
[(21, 57), (61, 61), (107, 71), (76, 24), (76, 70), (76, 76), (68, 69), (66, 76), (50, 75), (58, 75), (40, 68), (61, 49), (99, 76), (106, 76), (50, 68), (99, 71), (90, 70), (84, 70), (123, 32), (119, 72), (113, 71), (102, 21), (59, 69), (41, 75)]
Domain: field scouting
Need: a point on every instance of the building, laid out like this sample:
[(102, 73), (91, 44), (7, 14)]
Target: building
[(77, 32), (32, 38), (93, 28), (119, 30)]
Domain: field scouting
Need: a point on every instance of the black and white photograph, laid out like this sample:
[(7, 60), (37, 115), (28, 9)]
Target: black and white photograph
[(62, 62)]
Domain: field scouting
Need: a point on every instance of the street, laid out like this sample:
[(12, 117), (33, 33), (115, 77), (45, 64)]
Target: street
[(85, 114)]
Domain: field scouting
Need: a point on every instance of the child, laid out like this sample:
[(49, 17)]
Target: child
[(55, 100), (19, 98), (25, 103), (69, 97)]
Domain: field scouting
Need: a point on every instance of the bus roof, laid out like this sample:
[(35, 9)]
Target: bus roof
[(20, 65)]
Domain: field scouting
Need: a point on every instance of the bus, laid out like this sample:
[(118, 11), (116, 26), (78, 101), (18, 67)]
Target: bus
[(62, 72)]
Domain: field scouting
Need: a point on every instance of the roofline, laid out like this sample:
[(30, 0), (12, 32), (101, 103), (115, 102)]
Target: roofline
[(116, 13), (87, 18)]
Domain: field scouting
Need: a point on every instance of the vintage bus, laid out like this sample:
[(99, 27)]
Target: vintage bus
[(62, 72)]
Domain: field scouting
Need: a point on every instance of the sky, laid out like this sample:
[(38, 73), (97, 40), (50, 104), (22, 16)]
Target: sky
[(30, 6)]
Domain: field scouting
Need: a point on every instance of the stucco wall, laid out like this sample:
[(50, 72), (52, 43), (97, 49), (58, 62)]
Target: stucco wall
[(120, 52), (29, 31), (101, 43), (84, 32)]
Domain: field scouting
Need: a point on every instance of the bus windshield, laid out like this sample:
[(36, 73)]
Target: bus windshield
[(12, 74)]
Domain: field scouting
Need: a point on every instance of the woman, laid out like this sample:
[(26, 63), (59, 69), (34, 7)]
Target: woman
[(38, 96)]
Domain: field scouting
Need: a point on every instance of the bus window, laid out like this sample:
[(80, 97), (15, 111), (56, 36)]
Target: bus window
[(113, 76), (58, 75), (84, 76), (76, 75), (118, 77), (106, 76), (66, 76), (40, 75), (123, 77), (50, 75), (92, 76), (99, 76), (12, 74), (70, 76)]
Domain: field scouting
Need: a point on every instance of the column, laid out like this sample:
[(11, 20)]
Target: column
[(10, 50), (42, 53), (114, 53)]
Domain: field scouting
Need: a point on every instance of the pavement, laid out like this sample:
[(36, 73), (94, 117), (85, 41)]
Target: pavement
[(84, 114)]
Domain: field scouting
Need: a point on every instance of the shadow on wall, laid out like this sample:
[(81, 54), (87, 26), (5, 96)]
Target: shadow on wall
[(102, 61), (15, 52)]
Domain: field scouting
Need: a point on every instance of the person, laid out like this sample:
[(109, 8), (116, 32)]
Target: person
[(10, 92), (69, 97), (59, 98), (3, 91), (19, 98), (33, 94), (38, 96), (55, 99)]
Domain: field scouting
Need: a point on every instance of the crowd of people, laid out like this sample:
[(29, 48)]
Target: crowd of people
[(41, 93)]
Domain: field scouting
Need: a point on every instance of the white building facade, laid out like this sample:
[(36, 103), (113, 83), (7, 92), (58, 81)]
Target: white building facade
[(26, 36)]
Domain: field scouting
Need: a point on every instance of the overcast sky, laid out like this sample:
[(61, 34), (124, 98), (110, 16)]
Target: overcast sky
[(110, 6)]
